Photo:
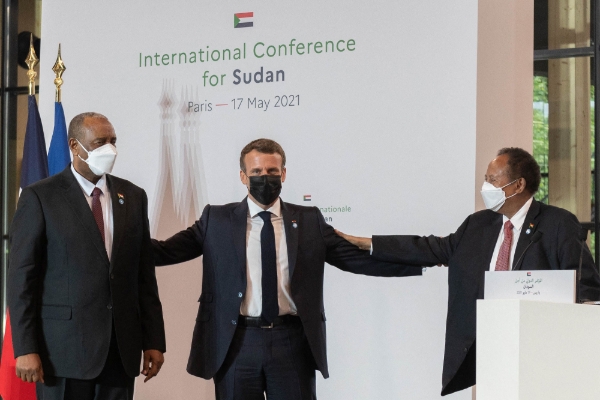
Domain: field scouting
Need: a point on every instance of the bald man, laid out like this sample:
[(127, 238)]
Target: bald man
[(82, 290)]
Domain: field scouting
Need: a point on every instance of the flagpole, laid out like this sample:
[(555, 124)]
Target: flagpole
[(59, 155), (31, 61), (59, 68)]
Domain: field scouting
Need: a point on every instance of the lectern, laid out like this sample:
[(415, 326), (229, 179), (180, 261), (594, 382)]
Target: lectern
[(530, 350)]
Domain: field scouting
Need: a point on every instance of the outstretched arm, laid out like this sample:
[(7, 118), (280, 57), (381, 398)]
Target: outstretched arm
[(183, 246), (348, 257), (362, 243), (411, 250)]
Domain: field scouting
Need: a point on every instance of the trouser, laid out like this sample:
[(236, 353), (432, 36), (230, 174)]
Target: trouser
[(276, 362), (113, 383)]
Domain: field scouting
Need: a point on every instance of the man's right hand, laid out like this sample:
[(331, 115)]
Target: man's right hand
[(29, 368), (360, 242)]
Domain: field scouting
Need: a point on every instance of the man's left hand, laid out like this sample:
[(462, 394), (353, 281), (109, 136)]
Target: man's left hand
[(153, 361)]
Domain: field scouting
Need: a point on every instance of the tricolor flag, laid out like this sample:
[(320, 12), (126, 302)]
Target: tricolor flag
[(35, 160), (11, 387), (529, 274), (33, 168), (243, 20), (307, 197)]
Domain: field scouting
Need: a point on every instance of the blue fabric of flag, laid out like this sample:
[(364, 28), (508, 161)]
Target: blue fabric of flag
[(35, 160), (59, 154)]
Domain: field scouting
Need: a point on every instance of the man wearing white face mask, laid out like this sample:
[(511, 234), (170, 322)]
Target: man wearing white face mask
[(82, 289), (515, 232)]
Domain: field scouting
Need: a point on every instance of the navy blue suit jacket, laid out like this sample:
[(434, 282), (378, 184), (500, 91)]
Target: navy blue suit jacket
[(220, 236)]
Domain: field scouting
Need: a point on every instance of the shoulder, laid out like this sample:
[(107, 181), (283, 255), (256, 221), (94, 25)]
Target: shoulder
[(48, 184), (119, 184), (555, 215), (224, 210), (299, 208), (484, 217)]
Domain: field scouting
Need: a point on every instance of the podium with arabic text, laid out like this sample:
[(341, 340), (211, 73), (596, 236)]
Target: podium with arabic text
[(530, 350)]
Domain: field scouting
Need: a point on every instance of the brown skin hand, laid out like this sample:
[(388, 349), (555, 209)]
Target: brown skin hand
[(29, 368), (257, 164), (98, 132), (153, 361), (497, 175)]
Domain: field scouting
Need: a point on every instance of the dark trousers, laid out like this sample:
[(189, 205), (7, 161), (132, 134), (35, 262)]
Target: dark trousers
[(113, 383), (275, 361)]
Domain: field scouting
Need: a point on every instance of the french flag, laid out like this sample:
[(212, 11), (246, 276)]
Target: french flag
[(243, 20)]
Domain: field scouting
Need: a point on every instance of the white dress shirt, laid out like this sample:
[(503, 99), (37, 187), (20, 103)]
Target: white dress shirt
[(252, 301), (517, 220), (107, 215)]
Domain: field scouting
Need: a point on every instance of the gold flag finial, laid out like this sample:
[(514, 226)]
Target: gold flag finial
[(31, 62), (59, 68)]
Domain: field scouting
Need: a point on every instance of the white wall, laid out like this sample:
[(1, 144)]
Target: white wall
[(388, 129)]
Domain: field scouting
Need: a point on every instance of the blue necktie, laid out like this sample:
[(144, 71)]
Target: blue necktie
[(270, 306)]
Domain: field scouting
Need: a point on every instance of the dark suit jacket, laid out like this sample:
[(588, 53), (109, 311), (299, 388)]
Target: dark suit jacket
[(64, 293), (220, 236), (468, 253)]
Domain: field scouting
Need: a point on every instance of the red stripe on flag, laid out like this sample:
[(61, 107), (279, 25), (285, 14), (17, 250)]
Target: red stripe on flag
[(245, 15), (11, 387)]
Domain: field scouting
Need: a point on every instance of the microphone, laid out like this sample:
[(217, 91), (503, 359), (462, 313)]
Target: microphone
[(583, 233), (534, 239)]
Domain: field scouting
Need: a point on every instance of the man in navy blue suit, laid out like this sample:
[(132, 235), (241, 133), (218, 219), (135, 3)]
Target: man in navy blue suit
[(261, 321), (515, 232)]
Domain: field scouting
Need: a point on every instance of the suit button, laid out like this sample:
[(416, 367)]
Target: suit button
[(109, 306), (466, 349), (112, 276), (240, 294), (233, 322)]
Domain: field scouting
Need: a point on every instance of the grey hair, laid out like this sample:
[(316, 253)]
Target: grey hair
[(77, 127)]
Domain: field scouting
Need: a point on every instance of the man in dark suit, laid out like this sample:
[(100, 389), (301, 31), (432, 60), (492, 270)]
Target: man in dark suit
[(515, 232), (82, 290), (261, 321)]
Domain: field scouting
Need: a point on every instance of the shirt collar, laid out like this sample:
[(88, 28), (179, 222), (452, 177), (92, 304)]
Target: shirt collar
[(87, 186), (519, 218), (254, 209)]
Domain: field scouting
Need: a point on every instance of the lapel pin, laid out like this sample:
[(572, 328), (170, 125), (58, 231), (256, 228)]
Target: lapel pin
[(294, 224), (121, 198), (528, 231)]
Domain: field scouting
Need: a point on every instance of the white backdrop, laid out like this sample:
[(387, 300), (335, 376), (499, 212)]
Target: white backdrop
[(382, 140)]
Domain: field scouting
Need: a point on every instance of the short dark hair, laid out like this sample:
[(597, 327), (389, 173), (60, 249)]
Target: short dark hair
[(521, 164), (265, 146), (77, 127)]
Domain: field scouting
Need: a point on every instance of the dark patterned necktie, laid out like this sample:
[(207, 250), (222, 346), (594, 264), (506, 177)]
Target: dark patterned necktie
[(503, 261), (270, 306), (97, 210)]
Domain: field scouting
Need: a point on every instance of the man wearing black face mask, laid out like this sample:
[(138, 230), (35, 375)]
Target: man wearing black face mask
[(261, 322), (515, 232)]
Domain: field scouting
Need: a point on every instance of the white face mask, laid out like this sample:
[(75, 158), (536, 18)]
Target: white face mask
[(100, 160), (494, 197)]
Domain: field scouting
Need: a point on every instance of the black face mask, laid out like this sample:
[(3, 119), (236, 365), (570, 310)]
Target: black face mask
[(265, 188)]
